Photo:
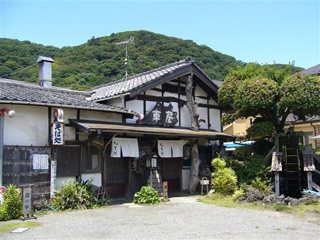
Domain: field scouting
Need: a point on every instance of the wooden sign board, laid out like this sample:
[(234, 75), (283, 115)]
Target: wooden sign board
[(165, 191)]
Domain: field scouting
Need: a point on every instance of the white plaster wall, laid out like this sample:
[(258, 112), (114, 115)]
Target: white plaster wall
[(185, 117), (100, 116), (200, 92), (135, 105), (28, 127), (62, 180), (213, 102), (94, 177), (215, 119), (116, 102), (70, 132), (203, 114), (154, 93)]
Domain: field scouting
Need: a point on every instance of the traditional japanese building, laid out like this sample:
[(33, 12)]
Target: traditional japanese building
[(113, 134)]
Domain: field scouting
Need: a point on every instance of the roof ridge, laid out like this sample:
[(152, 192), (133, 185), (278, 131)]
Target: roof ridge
[(34, 85), (187, 60)]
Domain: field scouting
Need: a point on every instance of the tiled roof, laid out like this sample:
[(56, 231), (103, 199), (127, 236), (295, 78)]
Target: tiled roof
[(315, 70), (294, 119), (124, 86), (13, 91)]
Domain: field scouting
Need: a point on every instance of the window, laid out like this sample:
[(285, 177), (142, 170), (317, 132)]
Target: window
[(91, 159), (68, 160)]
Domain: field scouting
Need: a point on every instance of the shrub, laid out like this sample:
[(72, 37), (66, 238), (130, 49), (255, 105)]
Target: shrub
[(224, 180), (11, 207), (238, 194), (262, 186), (253, 166), (146, 195), (242, 153), (73, 195)]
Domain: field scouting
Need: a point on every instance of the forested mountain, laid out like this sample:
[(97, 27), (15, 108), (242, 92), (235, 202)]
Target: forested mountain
[(100, 60)]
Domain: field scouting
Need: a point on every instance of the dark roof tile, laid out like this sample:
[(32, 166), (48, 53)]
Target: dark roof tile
[(28, 93), (124, 86)]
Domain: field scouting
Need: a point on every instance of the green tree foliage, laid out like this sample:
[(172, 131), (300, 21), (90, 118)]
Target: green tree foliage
[(100, 60), (11, 207), (223, 179), (271, 92)]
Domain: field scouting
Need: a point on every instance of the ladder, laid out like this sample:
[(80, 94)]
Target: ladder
[(292, 172)]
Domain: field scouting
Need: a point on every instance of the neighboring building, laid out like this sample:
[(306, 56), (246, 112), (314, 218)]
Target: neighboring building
[(104, 141), (239, 127), (315, 70)]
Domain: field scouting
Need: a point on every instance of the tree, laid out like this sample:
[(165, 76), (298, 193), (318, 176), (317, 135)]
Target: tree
[(270, 93), (195, 161)]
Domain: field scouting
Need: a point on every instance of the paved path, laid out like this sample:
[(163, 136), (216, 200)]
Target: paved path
[(181, 218)]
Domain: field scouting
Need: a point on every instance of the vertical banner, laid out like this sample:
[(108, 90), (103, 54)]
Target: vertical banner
[(57, 133), (53, 175), (58, 127)]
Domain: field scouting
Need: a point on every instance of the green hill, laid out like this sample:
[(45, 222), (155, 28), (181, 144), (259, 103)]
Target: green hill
[(100, 60)]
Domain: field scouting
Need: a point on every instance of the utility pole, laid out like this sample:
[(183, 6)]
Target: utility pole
[(126, 42)]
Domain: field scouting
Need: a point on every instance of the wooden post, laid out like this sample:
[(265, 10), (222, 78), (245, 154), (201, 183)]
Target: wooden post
[(195, 162), (165, 191), (309, 180), (277, 182)]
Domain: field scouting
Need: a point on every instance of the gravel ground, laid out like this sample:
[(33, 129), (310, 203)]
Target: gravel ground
[(181, 218)]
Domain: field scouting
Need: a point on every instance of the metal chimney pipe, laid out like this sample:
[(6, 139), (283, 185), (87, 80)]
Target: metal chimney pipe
[(45, 71)]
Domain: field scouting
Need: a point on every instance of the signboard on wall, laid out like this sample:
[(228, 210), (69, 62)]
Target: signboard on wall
[(160, 115), (58, 133), (40, 161)]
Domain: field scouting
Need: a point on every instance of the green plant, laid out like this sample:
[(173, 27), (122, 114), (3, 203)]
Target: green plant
[(253, 166), (262, 186), (146, 195), (224, 179), (238, 194), (73, 195), (11, 207)]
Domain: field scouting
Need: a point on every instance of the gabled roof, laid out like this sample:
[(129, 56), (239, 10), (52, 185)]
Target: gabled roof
[(19, 92), (315, 70), (144, 81)]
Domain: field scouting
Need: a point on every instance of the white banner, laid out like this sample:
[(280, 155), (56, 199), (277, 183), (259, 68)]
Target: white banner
[(170, 148), (128, 146)]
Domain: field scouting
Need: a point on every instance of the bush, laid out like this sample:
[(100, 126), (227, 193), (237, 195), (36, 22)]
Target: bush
[(224, 180), (238, 194), (11, 207), (73, 195), (262, 186), (146, 195), (253, 166)]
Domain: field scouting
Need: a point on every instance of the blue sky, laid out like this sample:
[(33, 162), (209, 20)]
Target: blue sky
[(251, 31)]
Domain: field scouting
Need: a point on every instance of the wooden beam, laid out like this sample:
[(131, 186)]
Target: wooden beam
[(208, 105), (158, 99), (167, 87)]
